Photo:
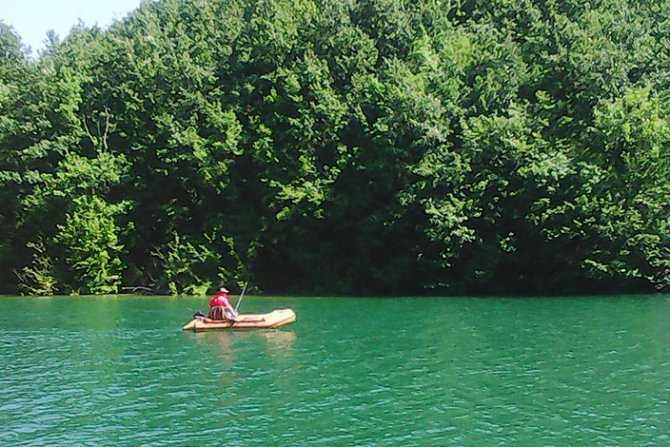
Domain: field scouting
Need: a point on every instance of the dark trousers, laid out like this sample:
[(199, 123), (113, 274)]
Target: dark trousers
[(216, 313), (221, 313)]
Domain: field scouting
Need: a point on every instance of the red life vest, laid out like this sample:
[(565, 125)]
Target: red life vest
[(220, 299)]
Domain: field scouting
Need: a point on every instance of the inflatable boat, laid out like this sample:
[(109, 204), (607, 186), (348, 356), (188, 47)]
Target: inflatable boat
[(274, 319)]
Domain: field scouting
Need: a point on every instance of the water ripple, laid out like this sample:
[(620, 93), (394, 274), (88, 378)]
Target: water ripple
[(460, 372)]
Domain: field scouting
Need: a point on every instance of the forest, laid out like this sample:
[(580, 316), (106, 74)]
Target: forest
[(341, 147)]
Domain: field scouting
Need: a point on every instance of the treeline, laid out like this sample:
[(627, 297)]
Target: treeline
[(341, 147)]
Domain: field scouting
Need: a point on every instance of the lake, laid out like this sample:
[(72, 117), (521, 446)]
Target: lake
[(118, 371)]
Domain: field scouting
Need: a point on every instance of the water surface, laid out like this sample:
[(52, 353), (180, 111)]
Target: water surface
[(118, 371)]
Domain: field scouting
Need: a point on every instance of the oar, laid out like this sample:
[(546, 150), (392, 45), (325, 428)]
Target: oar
[(241, 296)]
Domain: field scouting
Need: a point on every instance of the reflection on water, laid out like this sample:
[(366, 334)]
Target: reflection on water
[(279, 343), (233, 351), (226, 344), (220, 343)]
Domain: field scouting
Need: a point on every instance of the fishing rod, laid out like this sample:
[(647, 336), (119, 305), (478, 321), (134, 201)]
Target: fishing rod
[(241, 296)]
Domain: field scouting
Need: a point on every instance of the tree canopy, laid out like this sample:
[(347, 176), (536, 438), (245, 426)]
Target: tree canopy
[(340, 147)]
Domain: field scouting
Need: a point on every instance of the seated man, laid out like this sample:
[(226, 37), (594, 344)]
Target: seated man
[(220, 308)]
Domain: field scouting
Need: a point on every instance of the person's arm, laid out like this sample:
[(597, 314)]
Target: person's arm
[(232, 309)]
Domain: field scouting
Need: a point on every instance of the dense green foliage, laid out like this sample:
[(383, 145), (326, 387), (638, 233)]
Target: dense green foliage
[(362, 146)]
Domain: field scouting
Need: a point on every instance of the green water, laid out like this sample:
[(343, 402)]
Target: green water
[(350, 372)]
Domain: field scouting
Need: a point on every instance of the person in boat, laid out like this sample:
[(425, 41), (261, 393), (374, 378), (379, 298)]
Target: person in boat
[(220, 307)]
